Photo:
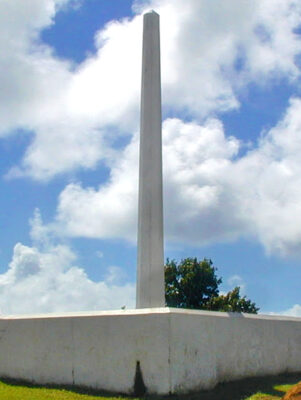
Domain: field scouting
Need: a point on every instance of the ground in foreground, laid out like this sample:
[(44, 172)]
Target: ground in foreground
[(268, 388)]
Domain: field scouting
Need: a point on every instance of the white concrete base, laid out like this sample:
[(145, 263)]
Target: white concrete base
[(179, 350)]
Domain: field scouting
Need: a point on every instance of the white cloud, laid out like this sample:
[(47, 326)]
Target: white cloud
[(115, 275), (268, 183), (210, 50), (110, 211), (195, 157), (61, 148), (70, 109), (45, 278), (204, 42), (237, 280), (32, 79), (192, 155), (210, 194), (294, 311)]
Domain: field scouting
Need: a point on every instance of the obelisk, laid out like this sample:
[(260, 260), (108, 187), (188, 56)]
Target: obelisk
[(150, 265)]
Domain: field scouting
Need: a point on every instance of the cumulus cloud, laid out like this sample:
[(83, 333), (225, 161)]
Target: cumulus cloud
[(192, 154), (211, 193), (110, 209), (75, 112), (294, 311), (45, 278), (210, 50), (236, 280), (32, 79)]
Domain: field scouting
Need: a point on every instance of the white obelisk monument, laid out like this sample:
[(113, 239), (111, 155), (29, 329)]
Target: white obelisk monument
[(150, 265)]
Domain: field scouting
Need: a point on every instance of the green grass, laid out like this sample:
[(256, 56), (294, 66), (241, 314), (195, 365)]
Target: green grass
[(10, 390), (268, 388), (282, 389)]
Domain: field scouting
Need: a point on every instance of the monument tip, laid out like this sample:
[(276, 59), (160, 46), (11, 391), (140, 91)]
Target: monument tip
[(151, 12)]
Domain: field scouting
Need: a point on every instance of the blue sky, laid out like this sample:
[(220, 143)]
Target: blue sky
[(70, 86)]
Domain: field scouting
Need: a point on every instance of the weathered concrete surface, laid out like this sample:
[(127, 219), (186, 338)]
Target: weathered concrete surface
[(150, 263), (211, 347), (179, 350), (99, 350)]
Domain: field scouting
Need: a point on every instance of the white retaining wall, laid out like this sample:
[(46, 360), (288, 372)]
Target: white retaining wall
[(178, 350)]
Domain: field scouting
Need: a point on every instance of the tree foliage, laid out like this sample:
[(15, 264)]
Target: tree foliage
[(232, 301), (194, 284)]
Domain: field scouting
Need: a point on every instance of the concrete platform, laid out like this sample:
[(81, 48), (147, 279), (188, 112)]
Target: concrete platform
[(179, 351)]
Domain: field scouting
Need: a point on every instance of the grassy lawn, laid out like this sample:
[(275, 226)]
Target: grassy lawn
[(282, 389), (15, 391), (268, 388)]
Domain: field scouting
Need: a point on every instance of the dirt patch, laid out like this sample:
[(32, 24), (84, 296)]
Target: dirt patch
[(294, 393)]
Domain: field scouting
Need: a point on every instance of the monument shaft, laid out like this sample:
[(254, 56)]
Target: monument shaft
[(150, 265)]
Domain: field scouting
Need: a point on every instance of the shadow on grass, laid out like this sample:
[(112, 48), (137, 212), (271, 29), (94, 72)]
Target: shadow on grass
[(242, 389), (237, 390)]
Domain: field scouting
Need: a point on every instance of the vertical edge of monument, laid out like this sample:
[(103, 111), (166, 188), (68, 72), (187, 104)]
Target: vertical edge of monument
[(150, 263)]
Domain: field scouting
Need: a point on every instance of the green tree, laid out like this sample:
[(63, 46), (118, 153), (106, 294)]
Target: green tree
[(232, 301), (194, 284)]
